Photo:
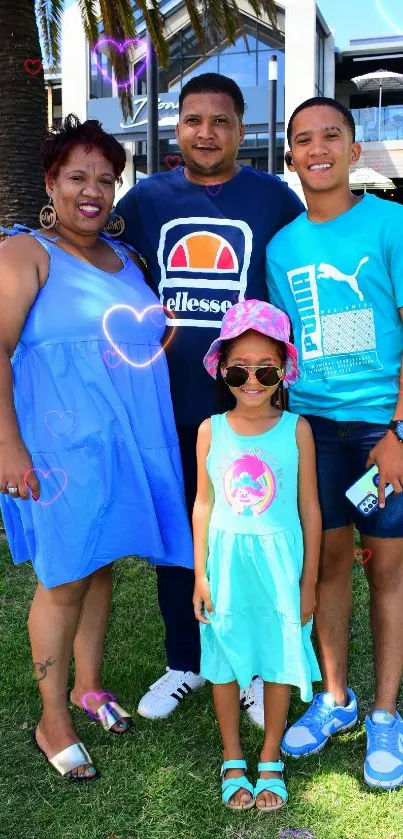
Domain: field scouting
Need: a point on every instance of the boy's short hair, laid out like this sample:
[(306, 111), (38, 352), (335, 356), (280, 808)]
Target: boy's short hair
[(214, 83), (321, 101)]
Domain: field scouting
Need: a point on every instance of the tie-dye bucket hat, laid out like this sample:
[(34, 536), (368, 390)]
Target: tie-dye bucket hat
[(263, 318)]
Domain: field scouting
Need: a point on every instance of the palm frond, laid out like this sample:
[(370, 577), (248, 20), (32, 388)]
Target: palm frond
[(49, 15), (222, 18)]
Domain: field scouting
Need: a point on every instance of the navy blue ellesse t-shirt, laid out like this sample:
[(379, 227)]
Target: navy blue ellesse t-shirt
[(205, 248)]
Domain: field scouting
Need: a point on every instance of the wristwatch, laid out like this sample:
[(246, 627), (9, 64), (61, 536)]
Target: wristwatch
[(397, 427)]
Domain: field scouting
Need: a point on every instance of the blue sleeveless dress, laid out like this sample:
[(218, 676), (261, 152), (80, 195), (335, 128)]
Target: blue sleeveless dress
[(255, 561), (100, 430)]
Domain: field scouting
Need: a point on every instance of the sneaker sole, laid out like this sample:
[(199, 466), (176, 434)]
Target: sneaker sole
[(382, 784), (151, 716), (322, 745)]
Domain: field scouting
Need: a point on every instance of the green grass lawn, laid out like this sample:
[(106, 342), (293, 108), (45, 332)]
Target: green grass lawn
[(161, 780)]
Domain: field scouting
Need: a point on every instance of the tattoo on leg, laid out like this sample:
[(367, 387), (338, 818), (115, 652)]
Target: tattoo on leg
[(42, 669)]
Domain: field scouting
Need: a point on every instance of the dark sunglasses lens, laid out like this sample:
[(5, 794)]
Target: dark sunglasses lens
[(236, 376), (267, 376)]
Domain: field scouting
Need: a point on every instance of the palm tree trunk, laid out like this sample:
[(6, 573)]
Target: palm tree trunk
[(22, 114)]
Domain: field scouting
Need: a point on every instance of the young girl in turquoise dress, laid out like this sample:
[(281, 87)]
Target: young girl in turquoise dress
[(257, 531)]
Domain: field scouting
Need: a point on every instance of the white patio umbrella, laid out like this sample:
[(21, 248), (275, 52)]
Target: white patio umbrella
[(366, 178), (379, 80)]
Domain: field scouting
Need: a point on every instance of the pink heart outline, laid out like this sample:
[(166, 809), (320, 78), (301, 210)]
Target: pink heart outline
[(120, 46), (109, 363), (213, 189), (84, 701), (36, 61), (46, 475), (175, 157), (139, 318), (60, 415)]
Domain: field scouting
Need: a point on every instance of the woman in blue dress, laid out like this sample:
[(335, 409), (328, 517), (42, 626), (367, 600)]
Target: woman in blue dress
[(89, 459)]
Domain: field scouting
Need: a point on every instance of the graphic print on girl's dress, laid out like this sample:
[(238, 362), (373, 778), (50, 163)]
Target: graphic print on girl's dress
[(249, 485)]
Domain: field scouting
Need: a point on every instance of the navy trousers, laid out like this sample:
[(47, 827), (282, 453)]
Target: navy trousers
[(175, 584)]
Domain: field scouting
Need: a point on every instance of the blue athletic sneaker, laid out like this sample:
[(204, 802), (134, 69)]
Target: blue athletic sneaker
[(322, 719), (383, 765)]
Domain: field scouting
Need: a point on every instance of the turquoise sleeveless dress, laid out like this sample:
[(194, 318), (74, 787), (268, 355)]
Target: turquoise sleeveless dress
[(255, 561), (100, 431)]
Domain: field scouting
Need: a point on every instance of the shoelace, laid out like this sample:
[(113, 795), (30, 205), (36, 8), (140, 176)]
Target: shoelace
[(384, 737), (318, 713), (169, 682)]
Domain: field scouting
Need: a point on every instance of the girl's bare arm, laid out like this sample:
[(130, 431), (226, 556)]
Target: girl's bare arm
[(309, 511), (201, 518)]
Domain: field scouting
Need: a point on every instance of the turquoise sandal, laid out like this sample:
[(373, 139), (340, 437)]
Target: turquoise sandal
[(232, 785), (274, 785)]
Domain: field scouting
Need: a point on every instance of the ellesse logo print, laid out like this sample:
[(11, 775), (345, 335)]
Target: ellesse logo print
[(204, 264)]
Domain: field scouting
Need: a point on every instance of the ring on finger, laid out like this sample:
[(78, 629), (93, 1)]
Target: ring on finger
[(12, 490)]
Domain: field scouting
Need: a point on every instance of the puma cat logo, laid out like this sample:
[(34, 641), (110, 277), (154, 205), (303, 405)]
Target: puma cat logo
[(329, 272)]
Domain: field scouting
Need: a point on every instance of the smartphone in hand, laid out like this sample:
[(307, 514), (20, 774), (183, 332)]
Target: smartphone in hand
[(364, 493)]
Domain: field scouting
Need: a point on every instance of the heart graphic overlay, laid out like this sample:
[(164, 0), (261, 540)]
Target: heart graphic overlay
[(53, 489), (65, 423), (213, 189), (33, 66), (362, 555), (112, 359), (300, 833), (98, 696), (139, 317), (121, 47), (380, 6), (172, 161)]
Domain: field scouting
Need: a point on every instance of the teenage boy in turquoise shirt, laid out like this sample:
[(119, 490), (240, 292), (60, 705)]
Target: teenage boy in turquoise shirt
[(337, 271)]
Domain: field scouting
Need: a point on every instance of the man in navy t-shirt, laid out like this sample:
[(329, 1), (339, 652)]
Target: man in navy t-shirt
[(203, 229)]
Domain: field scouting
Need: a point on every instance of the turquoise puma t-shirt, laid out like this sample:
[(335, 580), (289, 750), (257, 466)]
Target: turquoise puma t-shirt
[(341, 284)]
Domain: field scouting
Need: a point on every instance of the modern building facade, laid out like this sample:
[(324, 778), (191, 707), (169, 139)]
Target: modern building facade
[(302, 43), (381, 135)]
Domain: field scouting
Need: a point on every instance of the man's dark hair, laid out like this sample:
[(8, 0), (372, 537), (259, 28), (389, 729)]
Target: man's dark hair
[(214, 83), (321, 101)]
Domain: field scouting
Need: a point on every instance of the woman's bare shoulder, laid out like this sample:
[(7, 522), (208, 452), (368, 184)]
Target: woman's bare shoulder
[(21, 246)]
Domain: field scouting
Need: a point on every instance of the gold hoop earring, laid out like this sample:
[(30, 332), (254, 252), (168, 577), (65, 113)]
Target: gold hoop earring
[(115, 225), (48, 215)]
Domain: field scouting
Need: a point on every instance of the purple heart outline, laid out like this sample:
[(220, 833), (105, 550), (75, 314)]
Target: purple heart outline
[(121, 46), (98, 695), (300, 833)]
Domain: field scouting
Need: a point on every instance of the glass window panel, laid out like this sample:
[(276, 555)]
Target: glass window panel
[(240, 45), (194, 68), (249, 140), (241, 67)]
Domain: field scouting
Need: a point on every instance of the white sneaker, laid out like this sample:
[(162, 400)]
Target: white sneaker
[(167, 692), (251, 701)]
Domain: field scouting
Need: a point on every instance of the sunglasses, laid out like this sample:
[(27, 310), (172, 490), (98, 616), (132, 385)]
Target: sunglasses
[(267, 376)]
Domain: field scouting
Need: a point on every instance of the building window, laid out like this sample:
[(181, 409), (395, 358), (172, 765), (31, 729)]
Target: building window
[(100, 76), (248, 68)]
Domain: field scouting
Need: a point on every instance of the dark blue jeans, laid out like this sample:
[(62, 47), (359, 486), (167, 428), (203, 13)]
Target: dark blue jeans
[(175, 584), (342, 449)]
